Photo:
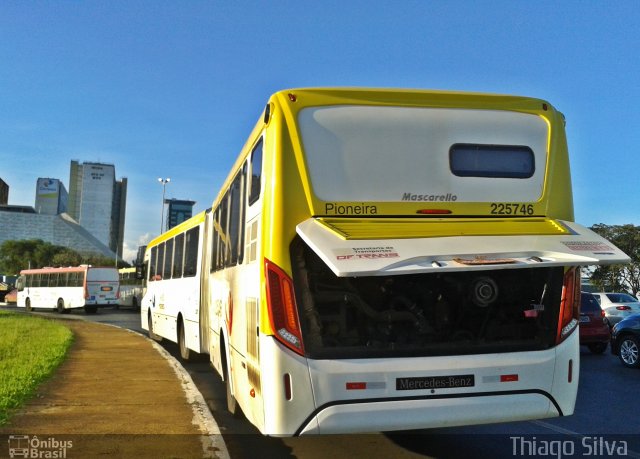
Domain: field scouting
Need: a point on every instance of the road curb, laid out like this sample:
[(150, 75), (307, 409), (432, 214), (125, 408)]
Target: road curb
[(212, 439), (213, 445)]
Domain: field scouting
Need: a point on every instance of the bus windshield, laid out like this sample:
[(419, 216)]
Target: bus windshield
[(423, 154)]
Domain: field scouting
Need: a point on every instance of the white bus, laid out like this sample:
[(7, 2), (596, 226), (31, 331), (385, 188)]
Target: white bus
[(385, 260), (171, 304), (131, 288), (63, 289)]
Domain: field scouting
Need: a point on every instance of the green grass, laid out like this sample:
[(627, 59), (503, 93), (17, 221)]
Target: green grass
[(31, 348)]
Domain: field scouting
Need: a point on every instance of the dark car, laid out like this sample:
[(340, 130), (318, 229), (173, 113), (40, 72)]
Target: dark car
[(594, 330), (625, 341)]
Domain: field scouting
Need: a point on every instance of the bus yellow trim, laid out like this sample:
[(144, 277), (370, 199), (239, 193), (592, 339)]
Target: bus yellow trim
[(399, 228), (181, 228)]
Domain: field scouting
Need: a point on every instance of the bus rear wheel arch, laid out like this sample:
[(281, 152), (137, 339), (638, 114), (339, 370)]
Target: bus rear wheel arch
[(152, 335), (232, 403), (185, 353), (60, 309)]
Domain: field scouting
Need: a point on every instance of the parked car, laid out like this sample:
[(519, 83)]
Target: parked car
[(625, 341), (11, 297), (617, 306), (594, 330)]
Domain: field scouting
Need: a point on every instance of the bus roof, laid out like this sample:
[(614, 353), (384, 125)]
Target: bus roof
[(67, 269), (181, 228), (304, 97)]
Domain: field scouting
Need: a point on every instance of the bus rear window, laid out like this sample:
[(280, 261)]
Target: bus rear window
[(495, 161), (102, 274)]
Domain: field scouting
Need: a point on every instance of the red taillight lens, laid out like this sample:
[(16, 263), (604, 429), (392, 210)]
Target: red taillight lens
[(623, 308), (282, 308), (569, 304), (602, 314)]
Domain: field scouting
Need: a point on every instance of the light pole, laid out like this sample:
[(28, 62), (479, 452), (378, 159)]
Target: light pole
[(164, 182)]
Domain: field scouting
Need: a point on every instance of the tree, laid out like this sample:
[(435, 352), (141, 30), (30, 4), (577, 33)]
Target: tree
[(18, 255), (35, 253), (620, 277)]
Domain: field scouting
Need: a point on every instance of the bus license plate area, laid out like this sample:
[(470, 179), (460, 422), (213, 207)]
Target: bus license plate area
[(435, 382)]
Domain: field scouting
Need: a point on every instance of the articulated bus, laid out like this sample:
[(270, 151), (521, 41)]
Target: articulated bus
[(381, 260), (64, 289)]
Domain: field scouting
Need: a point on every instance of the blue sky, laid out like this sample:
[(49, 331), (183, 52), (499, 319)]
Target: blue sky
[(173, 88)]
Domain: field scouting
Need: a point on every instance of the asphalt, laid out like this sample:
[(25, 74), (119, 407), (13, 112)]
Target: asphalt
[(117, 395)]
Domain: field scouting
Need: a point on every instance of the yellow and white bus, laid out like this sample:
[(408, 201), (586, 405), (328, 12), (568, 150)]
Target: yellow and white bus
[(385, 259), (172, 307), (131, 288), (63, 289)]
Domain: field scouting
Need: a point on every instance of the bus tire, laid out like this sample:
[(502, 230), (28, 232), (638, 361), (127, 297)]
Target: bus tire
[(232, 403), (60, 306), (134, 304), (185, 353), (27, 304), (90, 309), (152, 335)]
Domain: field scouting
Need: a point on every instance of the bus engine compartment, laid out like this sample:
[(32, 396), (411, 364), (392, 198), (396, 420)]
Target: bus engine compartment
[(429, 314)]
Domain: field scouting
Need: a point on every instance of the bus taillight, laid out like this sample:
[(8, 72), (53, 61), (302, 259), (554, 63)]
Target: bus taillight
[(569, 304), (283, 313)]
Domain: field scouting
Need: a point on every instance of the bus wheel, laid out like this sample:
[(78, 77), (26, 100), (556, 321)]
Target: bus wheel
[(232, 403), (134, 304), (60, 306), (90, 309), (185, 352), (27, 304), (152, 335)]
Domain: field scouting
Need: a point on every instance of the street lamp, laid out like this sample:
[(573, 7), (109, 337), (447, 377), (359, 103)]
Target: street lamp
[(164, 182)]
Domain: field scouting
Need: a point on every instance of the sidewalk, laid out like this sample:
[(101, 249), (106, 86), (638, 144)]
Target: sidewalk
[(115, 396)]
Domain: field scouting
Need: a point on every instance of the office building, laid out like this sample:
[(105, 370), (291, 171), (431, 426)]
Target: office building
[(4, 193), (98, 202), (178, 211), (51, 196)]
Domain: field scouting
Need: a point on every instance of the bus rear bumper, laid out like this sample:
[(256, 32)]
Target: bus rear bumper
[(429, 413)]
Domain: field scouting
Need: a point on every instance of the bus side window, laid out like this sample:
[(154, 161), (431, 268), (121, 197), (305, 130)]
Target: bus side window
[(178, 256), (152, 264), (256, 173), (235, 219), (168, 256), (191, 252), (215, 241), (160, 262), (223, 241)]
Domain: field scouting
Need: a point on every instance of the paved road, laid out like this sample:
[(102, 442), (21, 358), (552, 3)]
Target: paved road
[(606, 416)]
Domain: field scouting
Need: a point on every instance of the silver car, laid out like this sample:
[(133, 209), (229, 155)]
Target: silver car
[(617, 306)]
